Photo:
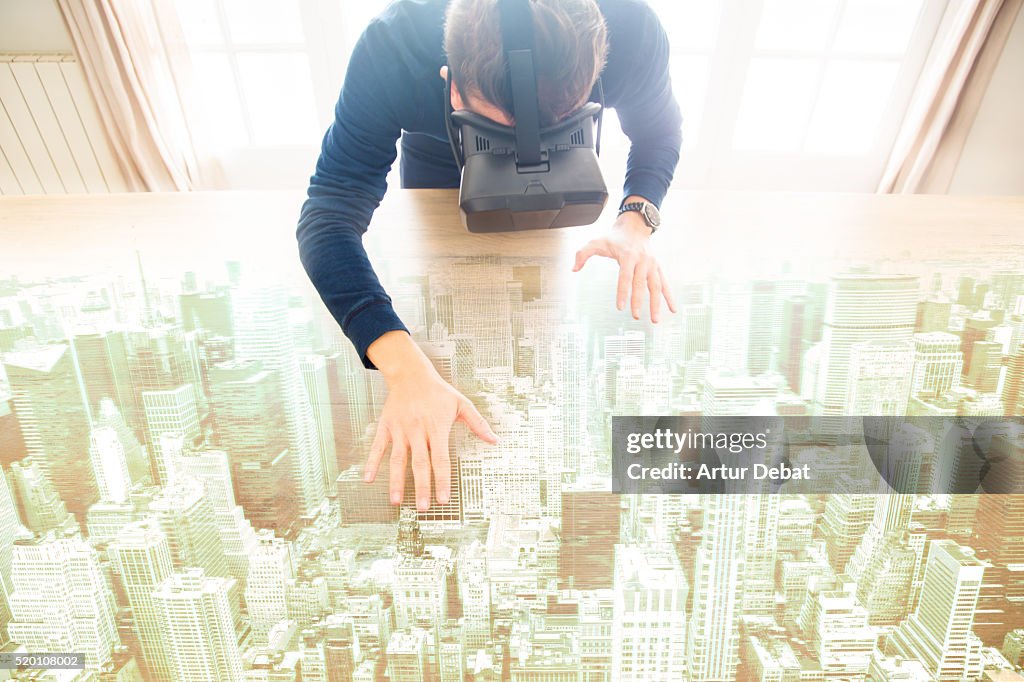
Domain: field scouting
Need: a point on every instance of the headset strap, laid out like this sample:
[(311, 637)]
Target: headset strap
[(517, 41), (454, 134)]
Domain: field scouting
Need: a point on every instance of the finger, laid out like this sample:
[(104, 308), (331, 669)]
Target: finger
[(666, 290), (421, 470), (475, 421), (639, 284), (626, 268), (380, 442), (654, 290), (399, 455), (595, 247), (440, 460)]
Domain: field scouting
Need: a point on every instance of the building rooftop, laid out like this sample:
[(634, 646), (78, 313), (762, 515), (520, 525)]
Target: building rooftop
[(41, 359), (963, 555), (649, 567), (405, 642)]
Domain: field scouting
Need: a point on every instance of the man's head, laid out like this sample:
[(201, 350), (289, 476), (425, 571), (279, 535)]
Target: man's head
[(570, 47)]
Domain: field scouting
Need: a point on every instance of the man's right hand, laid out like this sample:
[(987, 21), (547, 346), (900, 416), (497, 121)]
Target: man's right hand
[(417, 418)]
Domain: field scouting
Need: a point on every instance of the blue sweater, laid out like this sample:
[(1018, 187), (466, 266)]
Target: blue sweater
[(392, 90)]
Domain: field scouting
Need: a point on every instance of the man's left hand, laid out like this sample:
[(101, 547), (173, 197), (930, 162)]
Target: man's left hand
[(628, 242)]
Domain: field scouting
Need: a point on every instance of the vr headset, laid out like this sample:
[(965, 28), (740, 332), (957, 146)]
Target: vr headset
[(525, 177)]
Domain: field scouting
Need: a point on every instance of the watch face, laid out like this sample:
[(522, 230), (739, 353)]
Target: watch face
[(652, 215)]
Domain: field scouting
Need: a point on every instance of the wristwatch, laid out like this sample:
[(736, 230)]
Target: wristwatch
[(648, 210)]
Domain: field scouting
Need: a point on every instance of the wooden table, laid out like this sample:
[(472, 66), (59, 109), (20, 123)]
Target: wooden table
[(48, 235)]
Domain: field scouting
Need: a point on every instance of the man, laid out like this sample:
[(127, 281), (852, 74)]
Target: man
[(394, 89)]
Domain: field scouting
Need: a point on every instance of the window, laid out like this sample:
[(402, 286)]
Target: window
[(266, 76), (775, 94), (791, 94)]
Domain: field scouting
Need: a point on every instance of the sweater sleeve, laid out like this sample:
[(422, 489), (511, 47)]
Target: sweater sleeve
[(348, 184), (649, 114)]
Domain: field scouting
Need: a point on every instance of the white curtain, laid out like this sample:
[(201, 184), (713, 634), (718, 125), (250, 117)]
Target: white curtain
[(947, 96), (136, 62)]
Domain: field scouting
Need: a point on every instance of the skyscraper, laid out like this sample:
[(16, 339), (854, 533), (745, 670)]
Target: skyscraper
[(1013, 387), (696, 320), (270, 567), (451, 656), (10, 528), (846, 518), (765, 319), (712, 644), (975, 329), (965, 291), (860, 307), (410, 540), (481, 309), (933, 315), (109, 464), (186, 516), (886, 584), (196, 621), (730, 326), (938, 363), (208, 310), (38, 503), (999, 539), (727, 393), (346, 387), (939, 632), (569, 366), (791, 340), (986, 365), (797, 574), (420, 590), (61, 600), (251, 426), (892, 512), (55, 420), (211, 468), (307, 597), (314, 378), (649, 618), (839, 633), (589, 531), (260, 317), (617, 348), (163, 358), (341, 648), (407, 656), (547, 446), (629, 386), (475, 595), (1008, 285), (142, 560), (760, 554), (136, 459), (880, 378), (169, 412), (103, 362)]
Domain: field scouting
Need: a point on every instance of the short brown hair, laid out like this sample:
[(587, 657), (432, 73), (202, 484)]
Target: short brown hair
[(570, 48)]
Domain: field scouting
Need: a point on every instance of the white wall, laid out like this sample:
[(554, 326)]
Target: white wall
[(992, 161), (33, 26)]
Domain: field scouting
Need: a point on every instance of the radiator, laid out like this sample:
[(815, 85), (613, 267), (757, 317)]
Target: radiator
[(51, 137)]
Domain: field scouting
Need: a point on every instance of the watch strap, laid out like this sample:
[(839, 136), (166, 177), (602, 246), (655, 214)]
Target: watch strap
[(637, 206)]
